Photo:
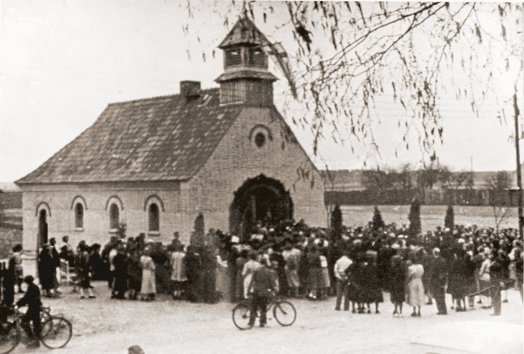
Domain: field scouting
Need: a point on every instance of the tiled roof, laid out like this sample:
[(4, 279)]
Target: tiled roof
[(244, 32), (155, 139)]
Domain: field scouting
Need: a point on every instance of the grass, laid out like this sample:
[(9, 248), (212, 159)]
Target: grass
[(431, 215)]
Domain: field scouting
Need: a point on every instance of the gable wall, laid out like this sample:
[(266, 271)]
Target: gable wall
[(237, 159)]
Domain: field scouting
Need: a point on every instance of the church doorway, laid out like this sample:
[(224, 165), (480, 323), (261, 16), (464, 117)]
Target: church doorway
[(42, 227), (259, 199)]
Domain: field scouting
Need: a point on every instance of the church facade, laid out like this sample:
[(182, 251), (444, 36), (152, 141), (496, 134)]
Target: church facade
[(155, 164)]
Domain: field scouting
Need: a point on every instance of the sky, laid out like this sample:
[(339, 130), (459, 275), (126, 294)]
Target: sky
[(63, 61)]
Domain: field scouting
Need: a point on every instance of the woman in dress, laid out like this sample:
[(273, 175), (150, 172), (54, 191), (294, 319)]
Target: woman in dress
[(84, 270), (178, 272), (398, 283), (485, 281), (415, 287), (148, 289)]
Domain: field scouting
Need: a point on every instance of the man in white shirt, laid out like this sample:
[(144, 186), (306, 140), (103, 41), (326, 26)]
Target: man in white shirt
[(340, 268)]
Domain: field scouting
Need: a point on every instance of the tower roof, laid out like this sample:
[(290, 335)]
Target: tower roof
[(244, 32)]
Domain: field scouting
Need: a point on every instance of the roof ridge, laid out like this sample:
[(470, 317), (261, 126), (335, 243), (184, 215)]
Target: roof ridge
[(173, 95)]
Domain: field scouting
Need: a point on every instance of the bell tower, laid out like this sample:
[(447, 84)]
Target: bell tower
[(246, 79)]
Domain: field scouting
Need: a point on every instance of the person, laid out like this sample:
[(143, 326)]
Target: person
[(324, 280), (97, 265), (178, 272), (193, 267), (248, 270), (46, 269), (175, 242), (10, 278), (148, 288), (415, 286), (291, 257), (438, 281), (134, 274), (18, 268), (84, 269), (32, 300), (314, 272), (398, 283), (56, 265), (261, 285), (496, 272), (485, 281), (341, 265), (120, 272), (66, 251), (373, 282)]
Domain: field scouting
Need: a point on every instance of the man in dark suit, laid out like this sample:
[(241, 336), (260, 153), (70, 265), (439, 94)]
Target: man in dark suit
[(262, 284), (438, 281), (34, 305)]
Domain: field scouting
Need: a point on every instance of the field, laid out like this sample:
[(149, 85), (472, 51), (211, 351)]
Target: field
[(431, 215)]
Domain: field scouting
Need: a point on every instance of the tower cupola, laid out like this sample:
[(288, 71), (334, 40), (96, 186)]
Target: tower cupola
[(246, 79)]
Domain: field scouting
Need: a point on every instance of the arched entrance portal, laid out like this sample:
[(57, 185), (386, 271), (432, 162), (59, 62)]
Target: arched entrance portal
[(259, 198), (42, 227)]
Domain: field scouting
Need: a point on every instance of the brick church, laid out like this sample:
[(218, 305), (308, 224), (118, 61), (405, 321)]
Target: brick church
[(154, 164)]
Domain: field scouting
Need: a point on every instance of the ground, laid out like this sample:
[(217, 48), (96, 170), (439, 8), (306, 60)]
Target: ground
[(431, 215), (165, 326)]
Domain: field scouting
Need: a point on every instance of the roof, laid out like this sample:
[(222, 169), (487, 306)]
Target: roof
[(154, 139), (244, 32), (242, 74)]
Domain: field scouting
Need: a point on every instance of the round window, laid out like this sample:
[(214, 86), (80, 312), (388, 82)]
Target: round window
[(260, 140)]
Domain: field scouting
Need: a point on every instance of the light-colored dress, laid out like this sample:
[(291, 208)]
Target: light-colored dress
[(414, 285), (247, 273), (178, 271), (292, 259), (148, 275), (325, 281), (222, 280)]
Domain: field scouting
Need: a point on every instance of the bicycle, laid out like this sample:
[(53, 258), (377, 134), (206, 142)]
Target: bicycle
[(283, 311), (56, 331)]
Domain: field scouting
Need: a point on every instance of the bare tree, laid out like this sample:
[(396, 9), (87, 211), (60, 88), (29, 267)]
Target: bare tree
[(498, 186), (344, 57)]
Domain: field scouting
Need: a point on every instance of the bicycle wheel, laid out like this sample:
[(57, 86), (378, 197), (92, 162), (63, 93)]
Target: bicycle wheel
[(9, 337), (56, 332), (285, 313), (241, 315)]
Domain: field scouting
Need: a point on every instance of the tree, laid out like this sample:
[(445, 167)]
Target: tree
[(499, 200), (345, 56), (377, 222), (414, 219), (336, 222), (199, 234), (449, 220)]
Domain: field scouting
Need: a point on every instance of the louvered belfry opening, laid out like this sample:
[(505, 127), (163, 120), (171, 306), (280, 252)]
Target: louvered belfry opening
[(246, 79)]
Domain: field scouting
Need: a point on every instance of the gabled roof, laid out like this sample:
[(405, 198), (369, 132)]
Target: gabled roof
[(244, 32), (154, 139)]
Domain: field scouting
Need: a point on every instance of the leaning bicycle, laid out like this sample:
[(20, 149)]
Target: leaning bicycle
[(283, 311), (56, 331)]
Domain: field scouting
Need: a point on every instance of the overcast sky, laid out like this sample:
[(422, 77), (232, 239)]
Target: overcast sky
[(62, 62)]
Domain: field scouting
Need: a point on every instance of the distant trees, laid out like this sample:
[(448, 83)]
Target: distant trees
[(377, 222), (449, 220), (408, 182), (415, 226)]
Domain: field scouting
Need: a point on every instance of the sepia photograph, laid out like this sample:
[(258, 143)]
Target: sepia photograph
[(241, 176)]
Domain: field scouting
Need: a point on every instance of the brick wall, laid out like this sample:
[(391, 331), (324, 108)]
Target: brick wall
[(237, 159), (59, 198)]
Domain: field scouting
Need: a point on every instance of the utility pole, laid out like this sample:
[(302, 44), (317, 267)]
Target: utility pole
[(517, 149)]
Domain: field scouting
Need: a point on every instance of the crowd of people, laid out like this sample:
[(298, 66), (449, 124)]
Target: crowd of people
[(355, 264)]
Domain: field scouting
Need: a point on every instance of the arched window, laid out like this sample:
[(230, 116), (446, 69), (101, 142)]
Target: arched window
[(114, 217), (154, 218), (79, 216)]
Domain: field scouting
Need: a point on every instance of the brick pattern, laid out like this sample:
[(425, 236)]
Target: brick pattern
[(237, 159)]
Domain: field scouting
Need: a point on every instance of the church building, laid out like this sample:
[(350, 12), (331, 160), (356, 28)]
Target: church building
[(155, 164)]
